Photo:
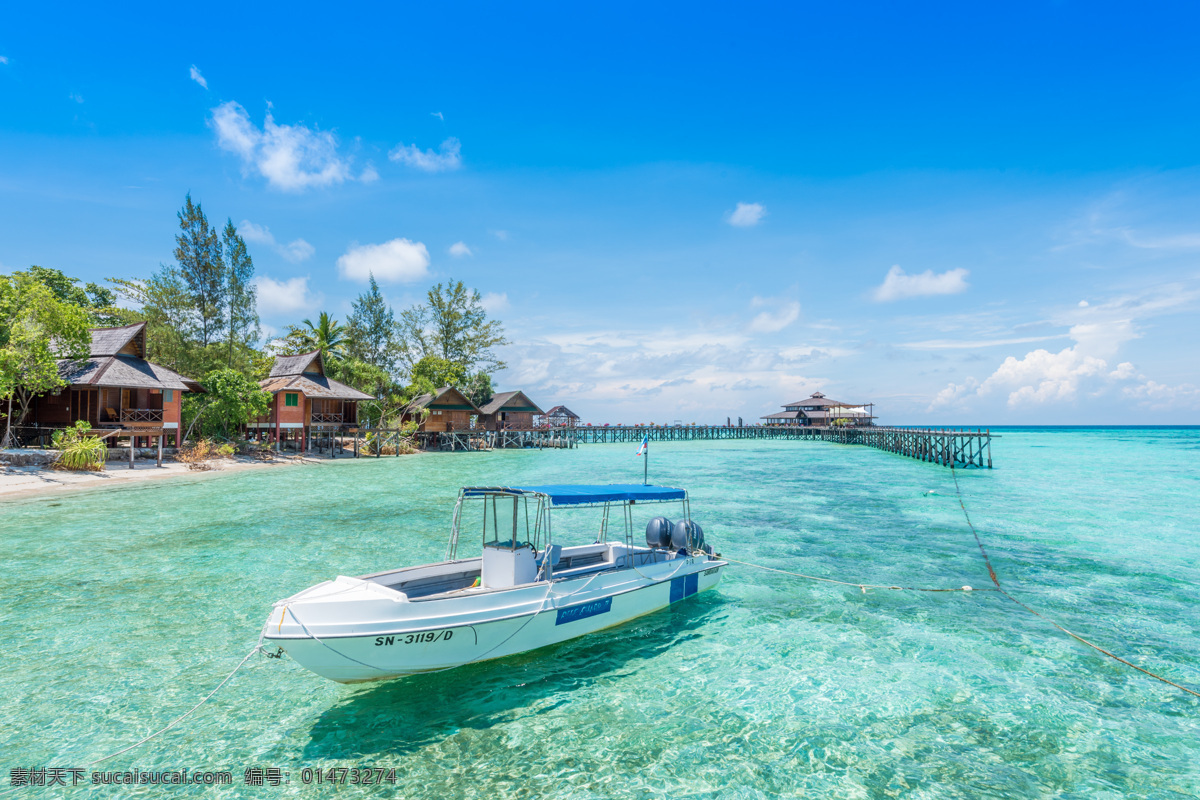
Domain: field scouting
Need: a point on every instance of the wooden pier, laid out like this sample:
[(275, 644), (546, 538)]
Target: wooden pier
[(946, 446)]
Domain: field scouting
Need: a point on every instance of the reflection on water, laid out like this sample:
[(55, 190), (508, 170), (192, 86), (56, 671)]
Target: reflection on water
[(400, 716)]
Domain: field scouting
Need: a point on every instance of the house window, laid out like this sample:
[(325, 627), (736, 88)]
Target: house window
[(168, 395), (291, 399)]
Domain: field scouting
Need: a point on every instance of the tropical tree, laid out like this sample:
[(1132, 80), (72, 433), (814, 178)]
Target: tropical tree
[(242, 322), (36, 330), (172, 325), (327, 335), (230, 400), (452, 325), (202, 268), (99, 302), (371, 330)]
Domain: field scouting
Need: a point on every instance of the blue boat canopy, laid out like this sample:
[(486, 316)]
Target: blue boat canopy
[(575, 495)]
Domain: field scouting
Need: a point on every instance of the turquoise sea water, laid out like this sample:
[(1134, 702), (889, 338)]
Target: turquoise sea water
[(121, 608)]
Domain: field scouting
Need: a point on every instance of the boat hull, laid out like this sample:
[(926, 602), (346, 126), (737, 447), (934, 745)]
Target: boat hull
[(443, 634)]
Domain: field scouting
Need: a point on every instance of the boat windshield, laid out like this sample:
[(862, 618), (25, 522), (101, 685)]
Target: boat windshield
[(529, 525)]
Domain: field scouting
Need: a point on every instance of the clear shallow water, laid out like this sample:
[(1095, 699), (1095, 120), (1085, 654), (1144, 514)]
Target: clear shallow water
[(120, 609)]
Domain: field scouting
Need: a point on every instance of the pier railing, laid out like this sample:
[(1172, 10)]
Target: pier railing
[(958, 446)]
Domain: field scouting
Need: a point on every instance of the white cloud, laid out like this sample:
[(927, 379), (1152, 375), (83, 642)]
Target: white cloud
[(283, 297), (1160, 397), (3, 59), (295, 251), (974, 344), (78, 98), (898, 285), (460, 249), (1083, 303), (501, 235), (369, 174), (291, 157), (773, 321), (197, 77), (746, 215), (448, 156), (438, 114), (494, 302), (397, 261)]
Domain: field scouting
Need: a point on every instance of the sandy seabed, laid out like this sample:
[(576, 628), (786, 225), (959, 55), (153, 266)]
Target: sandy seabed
[(16, 482)]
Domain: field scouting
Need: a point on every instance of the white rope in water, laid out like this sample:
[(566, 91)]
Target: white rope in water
[(862, 586), (173, 722)]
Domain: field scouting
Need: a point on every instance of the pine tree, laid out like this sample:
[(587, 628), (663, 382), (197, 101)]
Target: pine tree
[(371, 330), (242, 319), (202, 266)]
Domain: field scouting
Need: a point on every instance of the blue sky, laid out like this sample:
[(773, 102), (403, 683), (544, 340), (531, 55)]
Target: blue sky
[(965, 216)]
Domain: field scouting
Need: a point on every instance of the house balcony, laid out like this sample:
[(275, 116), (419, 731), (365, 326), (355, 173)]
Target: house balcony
[(326, 419), (141, 415)]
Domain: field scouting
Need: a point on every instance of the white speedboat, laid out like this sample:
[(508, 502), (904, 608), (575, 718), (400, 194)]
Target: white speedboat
[(524, 592)]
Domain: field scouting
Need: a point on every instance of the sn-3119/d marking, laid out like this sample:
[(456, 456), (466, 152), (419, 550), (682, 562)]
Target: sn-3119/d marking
[(415, 638)]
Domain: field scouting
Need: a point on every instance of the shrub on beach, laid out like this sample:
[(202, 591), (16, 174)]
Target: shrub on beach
[(199, 455), (78, 450)]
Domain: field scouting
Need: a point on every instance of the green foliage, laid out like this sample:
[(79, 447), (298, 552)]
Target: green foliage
[(78, 451), (452, 325), (327, 335), (229, 402), (478, 388), (36, 329), (435, 372), (371, 331), (243, 320), (359, 374), (202, 268), (99, 302)]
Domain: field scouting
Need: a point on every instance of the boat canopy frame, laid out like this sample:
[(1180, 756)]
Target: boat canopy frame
[(547, 497)]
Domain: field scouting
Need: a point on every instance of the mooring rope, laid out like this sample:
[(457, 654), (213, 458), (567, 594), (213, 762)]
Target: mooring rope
[(173, 722), (1073, 635)]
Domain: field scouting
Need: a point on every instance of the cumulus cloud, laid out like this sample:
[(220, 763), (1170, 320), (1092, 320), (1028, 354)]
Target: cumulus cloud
[(494, 302), (369, 174), (1099, 331), (447, 157), (460, 249), (283, 297), (291, 157), (295, 251), (197, 77), (746, 215), (898, 285), (397, 261), (773, 320)]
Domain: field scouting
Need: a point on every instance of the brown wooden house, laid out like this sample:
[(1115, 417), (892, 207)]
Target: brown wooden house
[(304, 401), (560, 417), (115, 387), (449, 410), (509, 411)]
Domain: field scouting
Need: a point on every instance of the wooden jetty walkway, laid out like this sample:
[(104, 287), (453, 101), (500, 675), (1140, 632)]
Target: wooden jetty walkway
[(958, 446)]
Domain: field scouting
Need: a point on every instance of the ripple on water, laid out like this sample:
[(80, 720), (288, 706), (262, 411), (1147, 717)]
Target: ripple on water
[(121, 609)]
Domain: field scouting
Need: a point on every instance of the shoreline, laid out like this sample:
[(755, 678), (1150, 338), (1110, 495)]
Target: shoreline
[(28, 482)]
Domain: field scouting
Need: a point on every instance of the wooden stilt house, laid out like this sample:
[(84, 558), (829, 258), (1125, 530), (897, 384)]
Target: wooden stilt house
[(305, 402), (508, 411), (560, 417), (449, 410), (115, 387)]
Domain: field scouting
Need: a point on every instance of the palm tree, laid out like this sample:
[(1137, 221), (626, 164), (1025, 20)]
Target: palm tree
[(327, 335)]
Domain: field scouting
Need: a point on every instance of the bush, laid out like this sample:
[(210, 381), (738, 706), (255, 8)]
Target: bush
[(199, 455), (78, 450)]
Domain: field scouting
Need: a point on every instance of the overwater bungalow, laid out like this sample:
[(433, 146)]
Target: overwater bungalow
[(449, 410), (819, 410), (560, 417), (115, 387), (305, 402), (509, 411)]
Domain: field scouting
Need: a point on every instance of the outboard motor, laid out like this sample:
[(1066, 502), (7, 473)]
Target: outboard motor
[(687, 535), (658, 533)]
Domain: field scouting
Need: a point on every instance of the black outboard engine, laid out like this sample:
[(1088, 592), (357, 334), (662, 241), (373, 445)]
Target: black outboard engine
[(658, 533), (687, 535)]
